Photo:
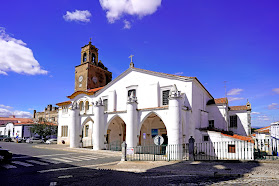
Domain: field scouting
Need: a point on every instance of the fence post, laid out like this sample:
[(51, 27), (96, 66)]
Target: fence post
[(124, 151), (191, 148)]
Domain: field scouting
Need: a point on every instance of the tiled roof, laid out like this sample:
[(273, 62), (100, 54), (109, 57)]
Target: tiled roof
[(88, 92), (243, 107), (221, 100), (263, 130), (64, 103), (16, 119), (243, 138), (218, 101)]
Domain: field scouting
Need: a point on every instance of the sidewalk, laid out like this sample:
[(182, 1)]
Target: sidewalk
[(259, 169)]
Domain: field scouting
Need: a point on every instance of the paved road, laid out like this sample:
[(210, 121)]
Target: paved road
[(34, 166)]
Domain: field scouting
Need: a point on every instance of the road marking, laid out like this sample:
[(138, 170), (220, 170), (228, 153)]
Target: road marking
[(71, 159), (86, 158), (66, 176), (86, 166), (59, 159), (51, 161), (53, 155), (22, 163), (53, 183), (37, 162), (8, 166)]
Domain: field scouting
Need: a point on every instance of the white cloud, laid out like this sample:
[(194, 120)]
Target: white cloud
[(263, 118), (78, 15), (234, 98), (273, 106), (127, 24), (19, 114), (16, 57), (276, 90), (178, 73), (4, 106), (255, 113), (116, 8), (235, 91)]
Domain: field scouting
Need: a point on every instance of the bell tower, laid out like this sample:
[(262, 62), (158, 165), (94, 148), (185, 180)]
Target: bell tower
[(91, 73)]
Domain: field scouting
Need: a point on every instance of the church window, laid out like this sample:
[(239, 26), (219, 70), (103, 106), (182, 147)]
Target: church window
[(86, 129), (84, 57), (165, 97), (81, 106), (211, 123), (86, 106), (131, 91), (233, 121), (105, 102), (64, 131)]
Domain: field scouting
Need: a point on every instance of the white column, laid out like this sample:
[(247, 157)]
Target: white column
[(131, 125), (98, 132), (175, 124), (74, 127)]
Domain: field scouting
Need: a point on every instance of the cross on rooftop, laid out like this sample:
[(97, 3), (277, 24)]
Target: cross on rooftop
[(131, 56)]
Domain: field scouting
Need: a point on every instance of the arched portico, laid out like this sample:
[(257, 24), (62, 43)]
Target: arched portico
[(115, 133), (86, 131), (151, 126)]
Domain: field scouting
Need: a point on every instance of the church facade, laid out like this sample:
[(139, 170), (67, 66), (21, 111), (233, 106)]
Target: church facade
[(139, 105)]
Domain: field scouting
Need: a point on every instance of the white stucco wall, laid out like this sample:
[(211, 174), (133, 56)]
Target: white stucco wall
[(243, 127)]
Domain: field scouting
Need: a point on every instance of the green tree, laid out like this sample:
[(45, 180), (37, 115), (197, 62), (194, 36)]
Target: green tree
[(44, 129)]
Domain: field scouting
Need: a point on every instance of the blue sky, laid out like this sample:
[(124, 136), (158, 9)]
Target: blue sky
[(216, 41)]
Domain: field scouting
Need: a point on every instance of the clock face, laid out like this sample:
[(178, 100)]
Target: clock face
[(95, 79), (80, 78)]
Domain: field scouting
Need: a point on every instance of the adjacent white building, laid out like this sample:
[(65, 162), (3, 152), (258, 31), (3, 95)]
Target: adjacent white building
[(140, 104), (14, 127)]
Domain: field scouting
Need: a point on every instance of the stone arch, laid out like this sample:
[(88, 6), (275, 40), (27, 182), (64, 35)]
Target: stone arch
[(151, 126), (86, 131), (115, 133), (146, 116), (84, 58)]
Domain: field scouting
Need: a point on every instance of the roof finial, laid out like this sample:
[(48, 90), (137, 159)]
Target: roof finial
[(131, 64), (90, 40)]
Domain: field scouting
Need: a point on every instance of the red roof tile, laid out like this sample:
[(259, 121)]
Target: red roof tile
[(88, 92), (263, 130), (243, 138), (221, 101), (64, 103)]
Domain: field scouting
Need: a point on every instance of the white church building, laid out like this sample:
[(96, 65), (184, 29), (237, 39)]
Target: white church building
[(140, 104)]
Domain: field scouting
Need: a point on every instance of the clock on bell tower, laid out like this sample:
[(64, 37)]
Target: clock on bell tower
[(91, 73)]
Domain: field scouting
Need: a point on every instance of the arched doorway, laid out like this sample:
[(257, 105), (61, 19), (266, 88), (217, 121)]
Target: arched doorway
[(86, 133), (116, 134), (152, 126)]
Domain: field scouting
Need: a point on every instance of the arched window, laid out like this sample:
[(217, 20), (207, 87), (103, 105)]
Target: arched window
[(84, 57), (81, 106), (86, 106), (93, 58)]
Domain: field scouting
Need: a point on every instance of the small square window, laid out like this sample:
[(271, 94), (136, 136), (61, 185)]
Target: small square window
[(231, 148), (206, 138)]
